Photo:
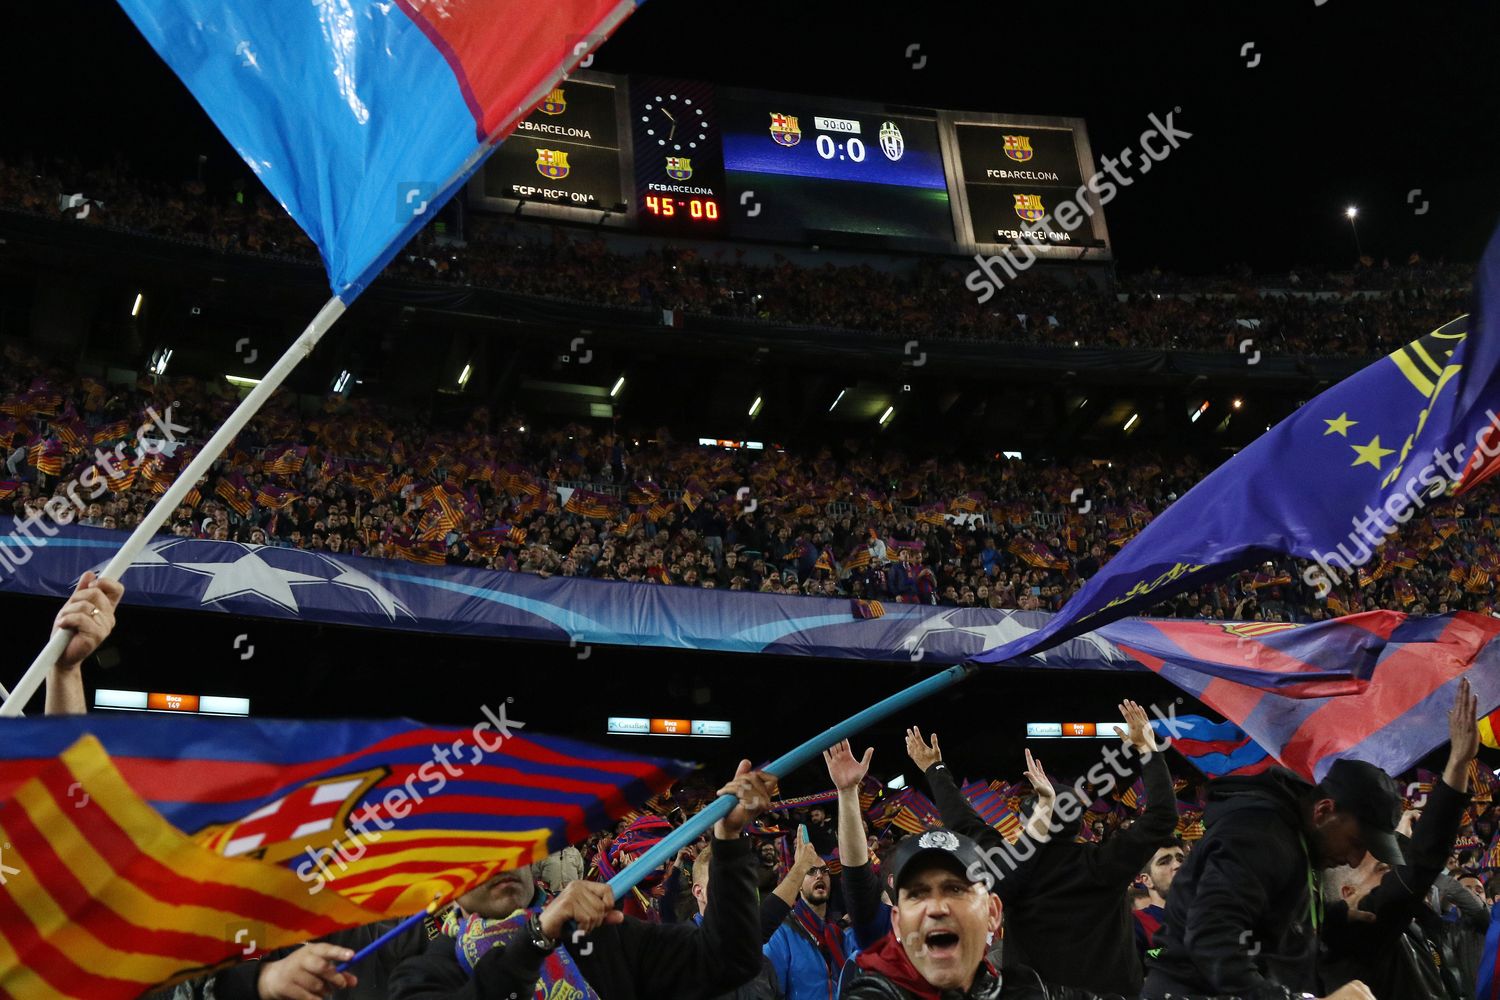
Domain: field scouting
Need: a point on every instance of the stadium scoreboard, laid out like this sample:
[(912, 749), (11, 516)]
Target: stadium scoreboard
[(684, 157)]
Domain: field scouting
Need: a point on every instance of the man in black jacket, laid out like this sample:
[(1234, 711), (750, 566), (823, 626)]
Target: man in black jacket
[(1245, 911), (1067, 915), (942, 925), (617, 957), (1381, 946)]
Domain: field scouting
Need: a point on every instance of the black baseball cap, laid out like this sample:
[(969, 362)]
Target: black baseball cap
[(1369, 795), (959, 853)]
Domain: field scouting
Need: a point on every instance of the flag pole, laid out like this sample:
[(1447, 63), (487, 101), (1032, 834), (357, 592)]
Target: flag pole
[(701, 822), (178, 491)]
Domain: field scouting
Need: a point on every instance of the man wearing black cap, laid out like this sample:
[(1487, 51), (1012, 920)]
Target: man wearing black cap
[(1246, 910), (942, 924), (1378, 918)]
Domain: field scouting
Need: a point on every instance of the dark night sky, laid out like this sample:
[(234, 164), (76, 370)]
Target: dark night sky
[(1353, 102)]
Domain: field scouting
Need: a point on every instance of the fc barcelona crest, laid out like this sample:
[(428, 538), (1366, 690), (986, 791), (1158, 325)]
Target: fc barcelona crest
[(1029, 207), (679, 168), (1018, 147), (555, 103), (784, 129), (552, 163)]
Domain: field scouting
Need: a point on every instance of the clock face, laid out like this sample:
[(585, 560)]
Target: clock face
[(674, 122)]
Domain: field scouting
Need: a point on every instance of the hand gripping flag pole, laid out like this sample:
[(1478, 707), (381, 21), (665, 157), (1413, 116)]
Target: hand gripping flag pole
[(704, 820), (196, 469)]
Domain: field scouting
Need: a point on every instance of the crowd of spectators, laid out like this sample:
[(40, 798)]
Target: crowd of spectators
[(1367, 312), (363, 479)]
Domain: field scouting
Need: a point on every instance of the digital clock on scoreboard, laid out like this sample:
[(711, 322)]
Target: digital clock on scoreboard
[(679, 163), (816, 165)]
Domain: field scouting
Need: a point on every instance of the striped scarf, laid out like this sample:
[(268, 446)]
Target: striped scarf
[(475, 936), (827, 935)]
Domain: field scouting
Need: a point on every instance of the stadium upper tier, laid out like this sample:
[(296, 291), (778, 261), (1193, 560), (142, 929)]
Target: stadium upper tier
[(1364, 313)]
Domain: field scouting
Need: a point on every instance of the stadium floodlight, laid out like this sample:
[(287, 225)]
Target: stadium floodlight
[(1350, 212), (836, 400), (140, 300), (619, 384), (755, 406), (885, 417), (463, 376), (1238, 403), (1131, 422), (242, 381)]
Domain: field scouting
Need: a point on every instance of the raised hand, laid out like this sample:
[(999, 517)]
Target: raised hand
[(845, 771), (1463, 737), (1037, 775), (754, 789), (1141, 735), (921, 754)]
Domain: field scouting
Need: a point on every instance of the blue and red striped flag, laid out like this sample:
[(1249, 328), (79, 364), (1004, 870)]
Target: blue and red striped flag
[(1215, 748), (993, 809), (363, 118), (1412, 667)]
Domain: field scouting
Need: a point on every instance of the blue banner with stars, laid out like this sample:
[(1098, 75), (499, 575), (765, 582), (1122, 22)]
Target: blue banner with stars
[(1330, 483)]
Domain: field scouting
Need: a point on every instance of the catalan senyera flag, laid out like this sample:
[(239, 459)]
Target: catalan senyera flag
[(915, 812), (299, 827), (362, 118), (234, 491), (108, 900)]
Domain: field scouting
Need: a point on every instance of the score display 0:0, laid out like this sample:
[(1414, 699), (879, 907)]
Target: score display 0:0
[(697, 208)]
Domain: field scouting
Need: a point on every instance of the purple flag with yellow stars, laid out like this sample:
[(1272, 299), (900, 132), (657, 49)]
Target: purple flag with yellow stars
[(1330, 483)]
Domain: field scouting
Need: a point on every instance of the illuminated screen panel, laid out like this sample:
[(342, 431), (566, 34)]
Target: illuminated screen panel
[(801, 167), (565, 153), (1018, 177), (679, 163)]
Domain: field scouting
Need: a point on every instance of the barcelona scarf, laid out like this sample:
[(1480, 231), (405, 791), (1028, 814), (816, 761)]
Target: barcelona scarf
[(474, 936), (824, 933)]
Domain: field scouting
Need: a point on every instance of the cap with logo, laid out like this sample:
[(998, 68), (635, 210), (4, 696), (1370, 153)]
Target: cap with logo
[(957, 851)]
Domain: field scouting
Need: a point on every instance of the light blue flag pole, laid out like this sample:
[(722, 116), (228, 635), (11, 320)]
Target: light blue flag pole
[(703, 821)]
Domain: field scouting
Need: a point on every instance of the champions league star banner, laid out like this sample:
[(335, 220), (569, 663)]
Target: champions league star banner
[(297, 584)]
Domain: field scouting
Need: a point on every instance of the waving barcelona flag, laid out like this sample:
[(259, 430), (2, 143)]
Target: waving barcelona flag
[(1327, 484), (1411, 669), (140, 843), (363, 117)]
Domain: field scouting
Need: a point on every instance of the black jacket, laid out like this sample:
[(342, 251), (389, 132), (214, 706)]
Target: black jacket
[(1066, 911), (1380, 954), (1019, 983), (1239, 920), (241, 982), (633, 960)]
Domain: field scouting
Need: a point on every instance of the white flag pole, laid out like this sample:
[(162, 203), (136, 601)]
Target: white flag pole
[(197, 468)]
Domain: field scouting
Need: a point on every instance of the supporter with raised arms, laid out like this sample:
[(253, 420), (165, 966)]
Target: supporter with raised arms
[(1067, 915)]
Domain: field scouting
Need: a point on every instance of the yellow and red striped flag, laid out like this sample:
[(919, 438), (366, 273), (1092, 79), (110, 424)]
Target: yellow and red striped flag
[(109, 900)]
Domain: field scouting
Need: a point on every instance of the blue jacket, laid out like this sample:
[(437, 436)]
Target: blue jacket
[(798, 962)]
